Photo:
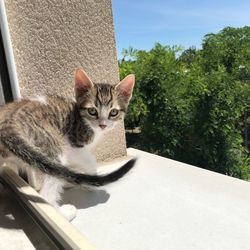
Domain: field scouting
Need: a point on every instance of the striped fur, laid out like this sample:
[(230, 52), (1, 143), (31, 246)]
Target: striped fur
[(35, 130)]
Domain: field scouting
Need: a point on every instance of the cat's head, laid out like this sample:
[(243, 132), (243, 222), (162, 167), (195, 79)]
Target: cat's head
[(102, 105)]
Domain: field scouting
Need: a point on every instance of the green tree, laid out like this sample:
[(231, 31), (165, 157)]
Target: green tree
[(191, 105)]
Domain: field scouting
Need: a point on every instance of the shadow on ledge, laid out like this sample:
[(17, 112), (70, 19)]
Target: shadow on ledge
[(84, 198)]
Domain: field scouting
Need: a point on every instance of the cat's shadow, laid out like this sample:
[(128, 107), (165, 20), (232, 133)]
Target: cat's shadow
[(84, 198)]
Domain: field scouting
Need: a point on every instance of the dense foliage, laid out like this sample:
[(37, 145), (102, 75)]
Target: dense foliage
[(193, 105)]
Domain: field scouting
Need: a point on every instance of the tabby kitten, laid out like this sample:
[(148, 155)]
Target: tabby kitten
[(55, 135)]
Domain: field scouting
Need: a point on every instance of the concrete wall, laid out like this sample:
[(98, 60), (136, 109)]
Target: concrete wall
[(52, 38)]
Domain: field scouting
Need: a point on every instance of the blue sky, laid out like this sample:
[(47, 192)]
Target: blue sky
[(141, 24)]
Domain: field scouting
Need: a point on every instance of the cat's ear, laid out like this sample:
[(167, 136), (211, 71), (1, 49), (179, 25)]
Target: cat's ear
[(82, 82), (125, 87)]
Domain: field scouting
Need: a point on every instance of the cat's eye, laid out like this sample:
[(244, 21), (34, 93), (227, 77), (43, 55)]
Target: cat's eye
[(114, 112), (92, 111)]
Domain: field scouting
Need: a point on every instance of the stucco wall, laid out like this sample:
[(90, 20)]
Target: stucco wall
[(52, 38)]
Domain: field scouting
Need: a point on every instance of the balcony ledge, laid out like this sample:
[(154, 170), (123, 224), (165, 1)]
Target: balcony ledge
[(165, 204), (160, 204)]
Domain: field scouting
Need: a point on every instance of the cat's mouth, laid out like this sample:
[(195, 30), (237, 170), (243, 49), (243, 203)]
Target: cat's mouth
[(102, 126)]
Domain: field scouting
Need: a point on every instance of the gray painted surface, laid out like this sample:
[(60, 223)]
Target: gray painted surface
[(164, 204)]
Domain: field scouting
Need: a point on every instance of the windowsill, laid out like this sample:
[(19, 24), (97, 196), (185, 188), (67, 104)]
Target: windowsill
[(160, 203), (165, 204)]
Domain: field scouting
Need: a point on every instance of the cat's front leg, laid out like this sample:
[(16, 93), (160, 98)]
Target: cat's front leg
[(89, 165), (78, 159), (51, 191)]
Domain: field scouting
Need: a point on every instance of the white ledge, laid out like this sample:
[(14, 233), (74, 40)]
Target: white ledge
[(164, 204), (161, 204)]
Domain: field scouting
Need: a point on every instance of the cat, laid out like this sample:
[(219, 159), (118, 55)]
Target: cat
[(54, 135)]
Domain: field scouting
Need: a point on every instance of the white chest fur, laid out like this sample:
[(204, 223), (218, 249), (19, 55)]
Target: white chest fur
[(80, 159), (98, 136)]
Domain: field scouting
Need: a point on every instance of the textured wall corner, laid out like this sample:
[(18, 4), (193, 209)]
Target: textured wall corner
[(52, 38)]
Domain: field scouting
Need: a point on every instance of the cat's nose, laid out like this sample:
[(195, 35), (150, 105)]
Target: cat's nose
[(102, 126)]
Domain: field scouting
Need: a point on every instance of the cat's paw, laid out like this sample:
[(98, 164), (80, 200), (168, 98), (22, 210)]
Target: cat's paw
[(68, 211)]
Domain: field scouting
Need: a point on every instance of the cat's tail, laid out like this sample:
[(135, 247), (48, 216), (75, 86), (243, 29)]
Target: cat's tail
[(19, 147)]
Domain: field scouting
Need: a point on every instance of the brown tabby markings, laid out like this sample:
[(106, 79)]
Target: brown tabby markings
[(37, 132)]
